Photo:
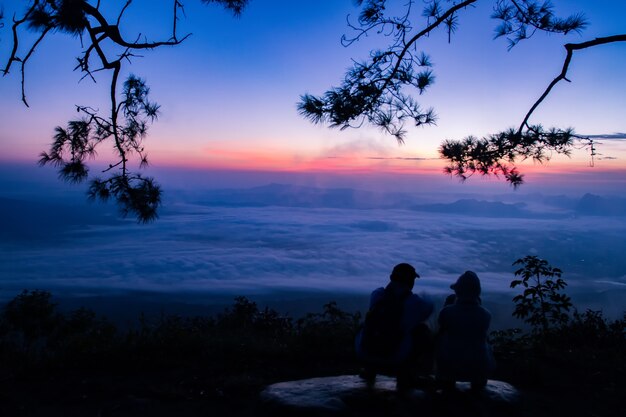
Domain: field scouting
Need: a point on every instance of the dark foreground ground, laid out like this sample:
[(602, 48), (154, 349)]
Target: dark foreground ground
[(74, 363), (201, 391)]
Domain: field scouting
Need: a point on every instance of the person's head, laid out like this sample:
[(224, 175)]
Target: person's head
[(404, 273), (467, 285)]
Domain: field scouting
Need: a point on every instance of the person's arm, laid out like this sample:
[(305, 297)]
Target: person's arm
[(375, 296), (451, 299), (442, 320)]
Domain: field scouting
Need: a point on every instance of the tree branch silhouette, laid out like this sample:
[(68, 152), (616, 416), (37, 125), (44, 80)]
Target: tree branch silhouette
[(130, 112), (570, 48), (373, 91), (497, 154)]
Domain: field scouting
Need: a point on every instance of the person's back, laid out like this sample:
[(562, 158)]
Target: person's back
[(394, 335), (463, 353)]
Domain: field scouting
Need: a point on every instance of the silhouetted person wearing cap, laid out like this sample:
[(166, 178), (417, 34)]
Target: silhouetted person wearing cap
[(394, 339), (463, 353)]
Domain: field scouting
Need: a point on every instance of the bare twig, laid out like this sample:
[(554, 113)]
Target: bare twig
[(570, 48), (24, 60), (119, 17), (16, 24)]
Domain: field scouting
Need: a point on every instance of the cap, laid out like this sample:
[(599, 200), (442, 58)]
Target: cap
[(404, 273)]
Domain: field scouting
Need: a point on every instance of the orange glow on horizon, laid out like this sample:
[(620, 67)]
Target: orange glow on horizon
[(281, 160), (363, 163)]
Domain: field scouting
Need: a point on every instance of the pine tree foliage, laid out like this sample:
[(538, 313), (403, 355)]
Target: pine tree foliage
[(520, 20), (126, 123), (381, 91), (497, 153)]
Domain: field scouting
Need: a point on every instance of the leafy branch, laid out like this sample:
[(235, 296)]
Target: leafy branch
[(541, 304)]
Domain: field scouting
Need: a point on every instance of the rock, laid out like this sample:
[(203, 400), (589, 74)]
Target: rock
[(349, 395), (324, 393)]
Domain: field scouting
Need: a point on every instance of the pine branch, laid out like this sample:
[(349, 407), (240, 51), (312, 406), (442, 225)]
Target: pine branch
[(570, 48)]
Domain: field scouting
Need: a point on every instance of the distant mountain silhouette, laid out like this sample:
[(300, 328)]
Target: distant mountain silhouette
[(283, 195), (560, 202), (312, 197), (301, 196), (594, 205), (471, 207), (23, 220)]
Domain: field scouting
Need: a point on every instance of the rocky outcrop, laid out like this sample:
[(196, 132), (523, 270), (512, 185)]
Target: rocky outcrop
[(349, 395)]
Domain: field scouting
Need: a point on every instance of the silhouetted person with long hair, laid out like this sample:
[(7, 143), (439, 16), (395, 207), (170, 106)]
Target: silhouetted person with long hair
[(463, 353), (395, 340)]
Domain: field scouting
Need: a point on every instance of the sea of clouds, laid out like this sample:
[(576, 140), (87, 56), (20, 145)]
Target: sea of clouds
[(300, 239), (291, 239)]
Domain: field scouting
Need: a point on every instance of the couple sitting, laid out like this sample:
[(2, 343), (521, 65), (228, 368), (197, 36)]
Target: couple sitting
[(395, 339)]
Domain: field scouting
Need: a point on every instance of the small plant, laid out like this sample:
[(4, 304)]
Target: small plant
[(508, 341), (332, 330), (542, 304), (594, 330)]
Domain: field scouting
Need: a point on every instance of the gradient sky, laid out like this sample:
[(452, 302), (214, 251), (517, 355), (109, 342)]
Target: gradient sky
[(229, 92), (229, 119)]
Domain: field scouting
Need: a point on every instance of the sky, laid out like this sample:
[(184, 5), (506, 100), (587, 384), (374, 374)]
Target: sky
[(228, 94), (256, 198)]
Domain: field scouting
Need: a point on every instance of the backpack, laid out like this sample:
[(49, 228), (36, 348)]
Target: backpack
[(382, 331)]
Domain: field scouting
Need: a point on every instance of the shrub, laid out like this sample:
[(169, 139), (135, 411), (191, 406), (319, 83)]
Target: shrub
[(541, 304), (31, 319)]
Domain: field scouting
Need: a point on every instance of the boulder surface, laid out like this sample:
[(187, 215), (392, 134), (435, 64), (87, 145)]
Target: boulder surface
[(349, 395)]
